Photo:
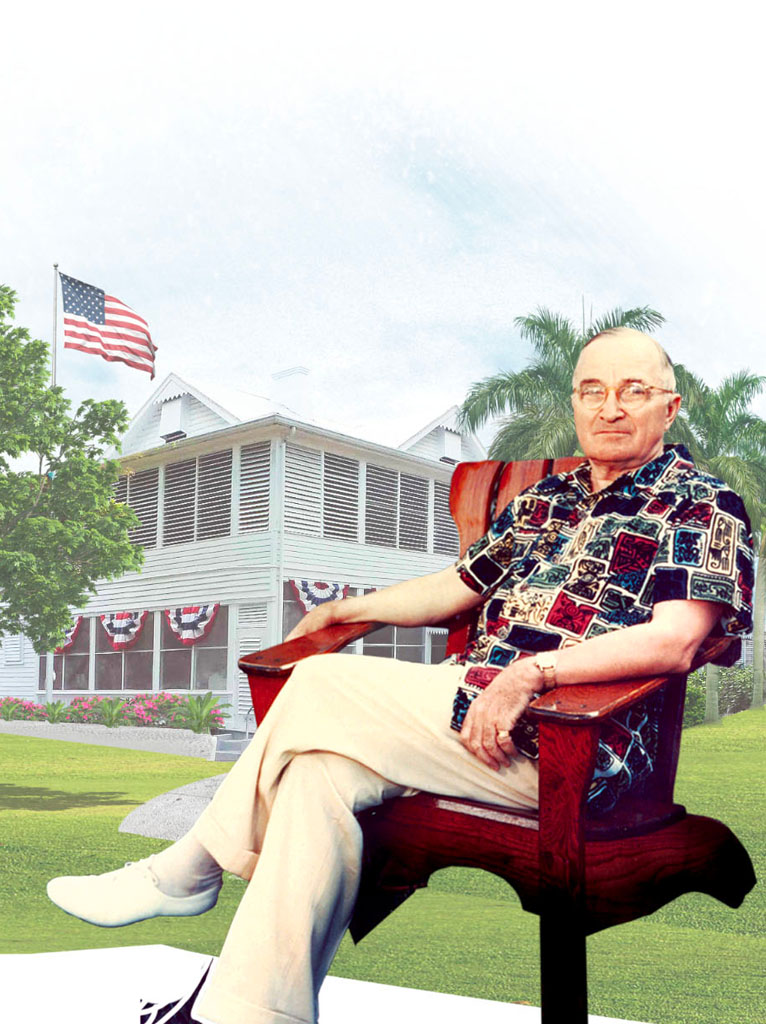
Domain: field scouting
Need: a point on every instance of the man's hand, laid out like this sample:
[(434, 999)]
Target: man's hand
[(323, 615), (494, 712)]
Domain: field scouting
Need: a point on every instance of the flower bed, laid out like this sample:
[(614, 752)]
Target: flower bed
[(168, 710)]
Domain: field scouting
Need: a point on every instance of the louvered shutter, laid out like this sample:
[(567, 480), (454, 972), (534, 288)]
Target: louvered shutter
[(252, 619), (380, 507), (178, 507), (446, 541), (303, 490), (120, 487), (413, 513), (341, 497), (13, 649), (254, 463), (214, 495), (143, 489)]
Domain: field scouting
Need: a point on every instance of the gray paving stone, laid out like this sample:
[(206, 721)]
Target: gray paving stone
[(171, 815)]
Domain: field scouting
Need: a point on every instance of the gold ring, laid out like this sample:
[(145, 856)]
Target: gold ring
[(503, 734)]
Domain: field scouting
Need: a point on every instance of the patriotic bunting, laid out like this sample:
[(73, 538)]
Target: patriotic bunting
[(69, 636), (123, 628), (312, 594), (193, 623)]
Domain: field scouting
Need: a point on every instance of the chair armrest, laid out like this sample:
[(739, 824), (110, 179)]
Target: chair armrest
[(282, 657), (592, 702)]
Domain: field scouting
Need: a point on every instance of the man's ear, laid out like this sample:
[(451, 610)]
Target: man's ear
[(673, 406)]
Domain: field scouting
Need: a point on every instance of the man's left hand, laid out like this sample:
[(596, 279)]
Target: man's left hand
[(493, 714)]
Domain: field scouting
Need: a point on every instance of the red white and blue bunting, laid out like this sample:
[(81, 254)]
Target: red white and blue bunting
[(312, 594), (69, 636), (123, 628), (193, 623)]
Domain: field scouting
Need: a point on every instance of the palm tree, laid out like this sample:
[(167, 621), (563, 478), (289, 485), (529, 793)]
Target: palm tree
[(539, 424), (727, 440)]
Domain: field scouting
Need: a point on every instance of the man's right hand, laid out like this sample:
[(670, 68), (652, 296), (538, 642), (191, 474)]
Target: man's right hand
[(323, 615)]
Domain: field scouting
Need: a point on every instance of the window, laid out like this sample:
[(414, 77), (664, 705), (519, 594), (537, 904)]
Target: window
[(140, 492), (303, 490), (413, 513), (340, 497), (124, 670), (197, 504), (292, 609), (321, 493), (214, 495), (380, 507), (70, 670), (202, 666), (406, 643), (179, 512), (254, 463), (446, 541), (396, 509)]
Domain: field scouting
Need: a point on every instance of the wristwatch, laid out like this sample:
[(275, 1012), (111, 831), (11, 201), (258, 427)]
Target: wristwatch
[(546, 662)]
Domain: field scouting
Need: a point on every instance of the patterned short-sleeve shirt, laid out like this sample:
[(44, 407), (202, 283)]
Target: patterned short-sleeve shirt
[(562, 564)]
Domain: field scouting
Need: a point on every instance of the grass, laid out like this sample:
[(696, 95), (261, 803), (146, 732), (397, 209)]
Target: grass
[(693, 962)]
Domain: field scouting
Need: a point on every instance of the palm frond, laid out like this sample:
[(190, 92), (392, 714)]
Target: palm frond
[(642, 318)]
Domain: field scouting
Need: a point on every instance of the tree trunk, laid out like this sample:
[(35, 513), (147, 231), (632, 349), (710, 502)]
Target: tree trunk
[(759, 622), (712, 678)]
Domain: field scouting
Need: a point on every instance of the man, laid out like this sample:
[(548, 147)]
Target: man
[(617, 570)]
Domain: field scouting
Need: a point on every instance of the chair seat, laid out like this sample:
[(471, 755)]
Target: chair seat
[(628, 872)]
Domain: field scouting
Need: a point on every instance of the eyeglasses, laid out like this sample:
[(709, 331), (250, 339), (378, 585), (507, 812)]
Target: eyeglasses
[(630, 395)]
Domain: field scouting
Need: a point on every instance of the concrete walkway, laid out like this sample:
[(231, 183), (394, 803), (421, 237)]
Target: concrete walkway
[(109, 985), (153, 739), (171, 815)]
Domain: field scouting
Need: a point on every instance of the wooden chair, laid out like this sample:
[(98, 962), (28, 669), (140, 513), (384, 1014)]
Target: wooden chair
[(578, 874)]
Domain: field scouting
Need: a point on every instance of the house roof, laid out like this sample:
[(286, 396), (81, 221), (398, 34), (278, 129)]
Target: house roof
[(232, 407)]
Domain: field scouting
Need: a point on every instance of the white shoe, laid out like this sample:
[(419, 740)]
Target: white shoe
[(125, 896)]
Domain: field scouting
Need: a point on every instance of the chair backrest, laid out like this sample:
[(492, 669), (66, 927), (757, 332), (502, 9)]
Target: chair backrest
[(479, 493)]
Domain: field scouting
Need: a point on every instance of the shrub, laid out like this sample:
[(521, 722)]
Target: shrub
[(694, 705), (169, 710), (18, 709), (735, 691)]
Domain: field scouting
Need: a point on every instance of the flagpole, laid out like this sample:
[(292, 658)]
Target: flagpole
[(49, 654), (55, 325)]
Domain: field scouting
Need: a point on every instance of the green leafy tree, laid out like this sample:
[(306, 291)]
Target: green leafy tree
[(536, 401), (60, 529), (728, 440)]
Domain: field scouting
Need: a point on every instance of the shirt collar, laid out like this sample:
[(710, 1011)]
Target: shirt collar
[(649, 477)]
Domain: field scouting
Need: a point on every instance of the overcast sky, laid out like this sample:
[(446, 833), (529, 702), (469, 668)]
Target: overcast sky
[(376, 191)]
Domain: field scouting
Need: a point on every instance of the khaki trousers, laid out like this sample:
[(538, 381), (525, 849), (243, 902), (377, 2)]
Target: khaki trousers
[(346, 733)]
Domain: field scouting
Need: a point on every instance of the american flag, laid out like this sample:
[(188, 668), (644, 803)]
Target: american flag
[(104, 326)]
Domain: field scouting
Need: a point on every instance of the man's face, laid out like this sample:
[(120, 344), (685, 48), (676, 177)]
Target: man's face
[(612, 435)]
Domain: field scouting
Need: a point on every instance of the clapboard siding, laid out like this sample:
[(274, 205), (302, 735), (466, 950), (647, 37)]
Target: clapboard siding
[(145, 433), (428, 447), (358, 564), (226, 569)]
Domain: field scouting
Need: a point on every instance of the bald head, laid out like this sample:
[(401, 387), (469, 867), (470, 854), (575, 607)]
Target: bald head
[(624, 346)]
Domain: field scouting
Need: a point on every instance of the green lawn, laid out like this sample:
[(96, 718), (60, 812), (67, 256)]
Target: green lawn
[(694, 962)]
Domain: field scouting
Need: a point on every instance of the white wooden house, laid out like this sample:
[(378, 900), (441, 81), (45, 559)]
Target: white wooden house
[(245, 506)]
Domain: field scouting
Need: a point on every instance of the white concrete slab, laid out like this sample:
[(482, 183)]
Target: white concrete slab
[(110, 985)]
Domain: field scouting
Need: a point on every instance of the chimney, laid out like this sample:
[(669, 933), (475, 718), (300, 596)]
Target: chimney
[(291, 388)]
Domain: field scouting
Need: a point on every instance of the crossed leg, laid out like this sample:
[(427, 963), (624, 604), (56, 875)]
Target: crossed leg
[(345, 733)]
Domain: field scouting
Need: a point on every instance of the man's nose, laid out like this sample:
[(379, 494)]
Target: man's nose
[(611, 409)]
